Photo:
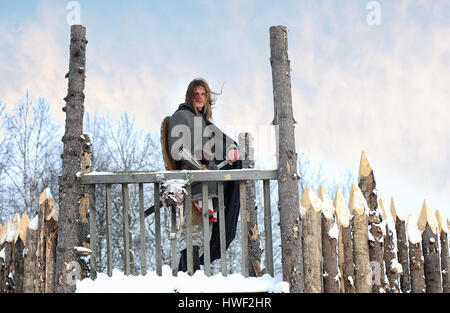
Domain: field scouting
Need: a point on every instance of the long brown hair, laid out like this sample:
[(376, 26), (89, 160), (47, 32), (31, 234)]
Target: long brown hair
[(210, 96)]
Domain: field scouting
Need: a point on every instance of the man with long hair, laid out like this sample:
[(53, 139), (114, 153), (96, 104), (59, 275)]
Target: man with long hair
[(190, 127)]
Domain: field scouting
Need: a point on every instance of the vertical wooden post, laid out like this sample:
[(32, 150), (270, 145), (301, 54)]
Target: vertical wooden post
[(367, 185), (243, 215), (312, 241), (206, 230), (331, 275), (430, 246), (416, 261), (188, 227), (345, 245), (268, 228), (69, 191), (126, 230), (359, 209), (109, 254), (142, 231), (30, 258), (157, 230), (288, 195), (254, 249), (402, 248), (393, 267), (443, 237), (223, 248)]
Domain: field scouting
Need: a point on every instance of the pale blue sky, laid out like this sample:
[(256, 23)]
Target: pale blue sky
[(382, 89)]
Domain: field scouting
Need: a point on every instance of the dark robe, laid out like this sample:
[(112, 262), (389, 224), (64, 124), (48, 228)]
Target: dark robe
[(231, 200)]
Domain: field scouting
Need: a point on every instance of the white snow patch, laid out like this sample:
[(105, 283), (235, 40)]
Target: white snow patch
[(334, 231), (183, 283), (414, 234), (431, 240), (396, 265), (2, 254), (34, 224)]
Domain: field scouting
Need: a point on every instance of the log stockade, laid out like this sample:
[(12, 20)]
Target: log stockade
[(326, 246)]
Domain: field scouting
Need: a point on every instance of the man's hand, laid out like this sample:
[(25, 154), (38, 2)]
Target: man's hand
[(233, 155)]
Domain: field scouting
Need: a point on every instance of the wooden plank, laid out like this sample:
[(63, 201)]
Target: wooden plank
[(93, 231), (157, 231), (142, 231), (206, 231), (223, 248), (268, 227), (173, 241), (188, 228), (126, 230), (109, 255), (156, 176), (244, 216)]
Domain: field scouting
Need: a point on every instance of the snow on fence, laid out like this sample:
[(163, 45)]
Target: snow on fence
[(27, 250), (363, 248)]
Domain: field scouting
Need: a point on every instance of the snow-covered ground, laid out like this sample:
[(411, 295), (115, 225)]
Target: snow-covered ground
[(183, 283)]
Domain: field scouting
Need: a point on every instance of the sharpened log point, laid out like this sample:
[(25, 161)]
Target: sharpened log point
[(24, 221), (342, 211), (4, 232), (383, 212), (443, 228), (309, 199), (327, 205), (357, 202), (426, 217), (364, 166), (393, 210)]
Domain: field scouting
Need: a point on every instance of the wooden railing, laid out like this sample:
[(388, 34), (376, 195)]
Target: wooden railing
[(91, 180)]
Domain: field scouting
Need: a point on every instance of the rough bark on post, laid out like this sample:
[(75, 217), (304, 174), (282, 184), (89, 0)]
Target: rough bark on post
[(367, 184), (416, 262), (10, 254), (69, 190), (331, 274), (51, 235), (84, 235), (345, 244), (19, 247), (393, 267), (288, 195), (30, 258), (312, 241), (3, 276), (443, 237), (359, 209), (254, 249), (430, 246), (402, 249)]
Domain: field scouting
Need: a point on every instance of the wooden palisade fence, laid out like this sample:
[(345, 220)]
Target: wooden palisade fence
[(28, 250), (339, 254), (336, 243)]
